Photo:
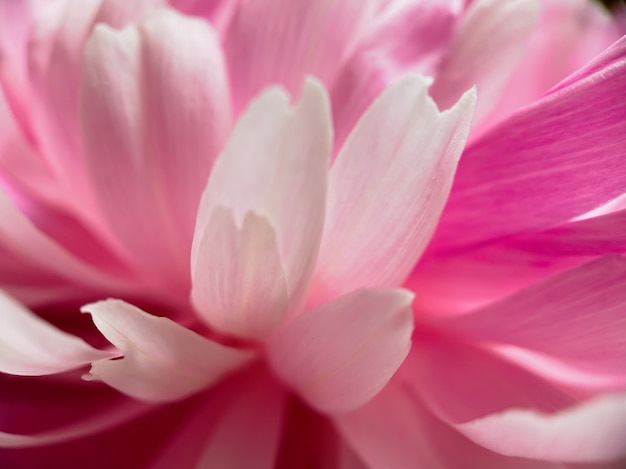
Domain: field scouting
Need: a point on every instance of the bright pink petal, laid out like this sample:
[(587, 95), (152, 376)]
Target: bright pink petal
[(502, 188), (395, 430), (461, 382), (340, 354), (275, 165), (136, 116), (405, 37), (387, 189), (591, 432), (280, 42), (589, 237), (239, 284), (470, 280), (488, 44), (162, 361), (576, 317), (32, 347)]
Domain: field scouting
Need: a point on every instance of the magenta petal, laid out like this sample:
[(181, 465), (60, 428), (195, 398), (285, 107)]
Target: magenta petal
[(548, 163), (340, 354), (58, 409)]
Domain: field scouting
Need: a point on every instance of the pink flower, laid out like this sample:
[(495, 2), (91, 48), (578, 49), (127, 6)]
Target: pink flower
[(275, 330)]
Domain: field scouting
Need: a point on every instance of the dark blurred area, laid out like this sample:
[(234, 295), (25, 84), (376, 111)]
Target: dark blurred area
[(612, 3)]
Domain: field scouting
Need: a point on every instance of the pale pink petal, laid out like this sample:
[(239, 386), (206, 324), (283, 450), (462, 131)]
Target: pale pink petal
[(405, 37), (186, 126), (218, 12), (162, 361), (591, 432), (239, 286), (55, 58), (119, 14), (569, 34), (237, 426), (16, 19), (25, 241), (149, 142), (275, 165), (32, 347), (502, 188), (395, 430), (280, 42), (340, 354), (54, 65), (577, 317), (487, 47), (387, 189)]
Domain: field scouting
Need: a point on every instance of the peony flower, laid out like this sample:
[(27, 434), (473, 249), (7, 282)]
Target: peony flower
[(246, 199)]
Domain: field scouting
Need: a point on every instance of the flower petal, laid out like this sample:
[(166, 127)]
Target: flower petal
[(394, 171), (475, 382), (44, 412), (239, 286), (502, 188), (396, 430), (405, 37), (136, 116), (247, 410), (20, 237), (162, 361), (576, 317), (569, 34), (591, 432), (340, 354), (32, 347), (275, 165), (280, 42), (487, 47)]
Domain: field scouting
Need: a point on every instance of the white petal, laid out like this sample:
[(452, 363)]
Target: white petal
[(275, 165), (31, 347), (388, 187), (162, 361), (239, 285)]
